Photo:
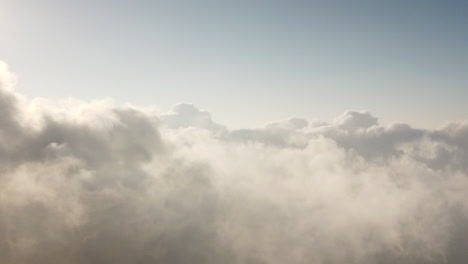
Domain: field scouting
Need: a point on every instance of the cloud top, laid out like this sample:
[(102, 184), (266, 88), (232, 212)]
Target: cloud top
[(91, 182)]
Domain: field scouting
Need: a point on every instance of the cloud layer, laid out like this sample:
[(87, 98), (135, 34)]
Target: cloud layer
[(90, 182)]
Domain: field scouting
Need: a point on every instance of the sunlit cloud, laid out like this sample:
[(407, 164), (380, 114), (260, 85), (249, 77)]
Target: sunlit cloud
[(93, 182)]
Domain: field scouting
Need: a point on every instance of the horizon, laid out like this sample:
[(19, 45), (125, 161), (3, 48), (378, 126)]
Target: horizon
[(403, 61)]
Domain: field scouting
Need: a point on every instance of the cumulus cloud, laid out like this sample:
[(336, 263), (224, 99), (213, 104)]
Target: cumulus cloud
[(91, 182), (187, 115)]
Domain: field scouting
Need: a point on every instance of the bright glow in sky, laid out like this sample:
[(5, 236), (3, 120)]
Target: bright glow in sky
[(402, 60)]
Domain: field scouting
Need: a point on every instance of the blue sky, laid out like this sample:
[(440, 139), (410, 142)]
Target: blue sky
[(247, 62)]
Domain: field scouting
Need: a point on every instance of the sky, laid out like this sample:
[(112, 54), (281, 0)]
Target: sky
[(405, 61), (237, 132)]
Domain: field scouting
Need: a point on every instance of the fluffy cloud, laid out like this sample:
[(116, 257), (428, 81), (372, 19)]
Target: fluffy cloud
[(90, 182), (187, 115)]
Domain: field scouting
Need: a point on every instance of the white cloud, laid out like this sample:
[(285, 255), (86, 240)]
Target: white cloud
[(96, 183)]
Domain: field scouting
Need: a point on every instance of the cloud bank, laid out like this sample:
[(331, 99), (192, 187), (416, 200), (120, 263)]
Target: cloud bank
[(91, 182)]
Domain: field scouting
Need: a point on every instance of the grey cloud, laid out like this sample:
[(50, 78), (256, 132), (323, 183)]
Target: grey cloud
[(187, 115), (353, 120), (124, 185), (282, 133)]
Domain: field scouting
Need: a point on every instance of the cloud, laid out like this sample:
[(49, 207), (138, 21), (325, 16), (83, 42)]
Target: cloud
[(353, 120), (187, 115), (91, 182)]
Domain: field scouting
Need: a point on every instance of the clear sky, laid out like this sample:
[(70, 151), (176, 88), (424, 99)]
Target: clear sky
[(247, 62)]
